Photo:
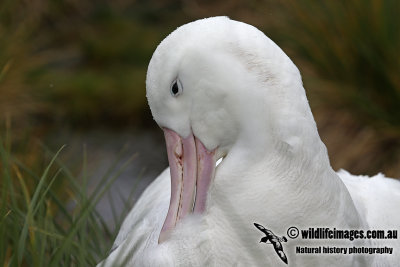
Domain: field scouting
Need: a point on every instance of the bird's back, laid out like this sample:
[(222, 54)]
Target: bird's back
[(377, 199)]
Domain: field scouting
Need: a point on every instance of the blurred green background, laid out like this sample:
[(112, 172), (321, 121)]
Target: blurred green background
[(81, 65), (71, 67)]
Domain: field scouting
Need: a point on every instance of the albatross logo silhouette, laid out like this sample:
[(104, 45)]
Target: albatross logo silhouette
[(271, 238)]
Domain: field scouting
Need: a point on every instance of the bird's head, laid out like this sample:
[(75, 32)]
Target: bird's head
[(212, 85)]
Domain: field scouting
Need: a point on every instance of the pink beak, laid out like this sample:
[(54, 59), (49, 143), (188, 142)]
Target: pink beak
[(192, 168)]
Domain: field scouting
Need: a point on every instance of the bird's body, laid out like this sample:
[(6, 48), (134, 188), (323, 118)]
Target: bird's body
[(232, 91)]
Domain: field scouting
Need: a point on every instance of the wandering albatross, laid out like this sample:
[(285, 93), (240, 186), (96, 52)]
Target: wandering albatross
[(221, 89)]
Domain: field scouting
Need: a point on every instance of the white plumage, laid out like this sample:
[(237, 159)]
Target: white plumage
[(242, 98)]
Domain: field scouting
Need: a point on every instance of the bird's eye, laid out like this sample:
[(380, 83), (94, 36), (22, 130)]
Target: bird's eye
[(176, 88)]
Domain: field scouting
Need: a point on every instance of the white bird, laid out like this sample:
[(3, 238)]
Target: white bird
[(220, 88)]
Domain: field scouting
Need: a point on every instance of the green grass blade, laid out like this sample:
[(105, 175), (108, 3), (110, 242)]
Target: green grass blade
[(32, 205)]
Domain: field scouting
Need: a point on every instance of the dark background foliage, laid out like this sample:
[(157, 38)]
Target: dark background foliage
[(70, 68)]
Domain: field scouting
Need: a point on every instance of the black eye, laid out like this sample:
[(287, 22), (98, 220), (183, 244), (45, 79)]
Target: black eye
[(176, 88)]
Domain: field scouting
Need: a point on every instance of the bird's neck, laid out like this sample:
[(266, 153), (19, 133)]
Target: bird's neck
[(284, 182)]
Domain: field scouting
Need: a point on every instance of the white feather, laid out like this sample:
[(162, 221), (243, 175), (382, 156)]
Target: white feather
[(243, 95)]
